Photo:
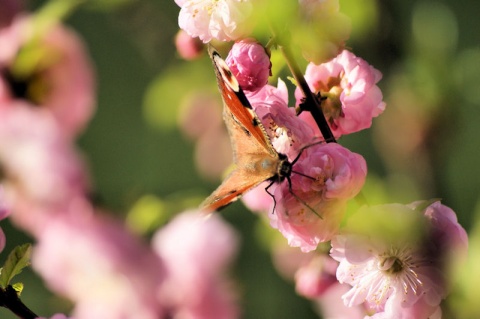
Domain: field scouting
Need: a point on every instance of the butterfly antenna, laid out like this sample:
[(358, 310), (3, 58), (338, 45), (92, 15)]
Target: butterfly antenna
[(301, 200), (294, 195), (301, 174), (300, 154), (303, 149)]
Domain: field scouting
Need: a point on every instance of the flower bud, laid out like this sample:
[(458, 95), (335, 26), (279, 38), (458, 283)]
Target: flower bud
[(187, 47), (250, 64)]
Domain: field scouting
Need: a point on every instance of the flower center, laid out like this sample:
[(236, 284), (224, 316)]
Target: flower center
[(32, 87), (391, 265), (331, 90)]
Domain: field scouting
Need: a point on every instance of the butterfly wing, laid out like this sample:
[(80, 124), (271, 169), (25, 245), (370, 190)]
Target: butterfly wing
[(237, 103), (254, 155), (254, 165)]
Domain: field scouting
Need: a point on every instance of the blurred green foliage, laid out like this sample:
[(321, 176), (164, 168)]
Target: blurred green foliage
[(431, 64)]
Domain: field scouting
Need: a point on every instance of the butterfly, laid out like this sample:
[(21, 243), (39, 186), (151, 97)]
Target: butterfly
[(253, 153)]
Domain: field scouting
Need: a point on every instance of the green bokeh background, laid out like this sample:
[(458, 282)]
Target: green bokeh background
[(132, 150)]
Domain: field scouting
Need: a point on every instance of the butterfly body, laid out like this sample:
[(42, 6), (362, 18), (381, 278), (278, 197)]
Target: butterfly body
[(253, 153)]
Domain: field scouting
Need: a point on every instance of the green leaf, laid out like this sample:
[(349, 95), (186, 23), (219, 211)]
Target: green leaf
[(18, 259)]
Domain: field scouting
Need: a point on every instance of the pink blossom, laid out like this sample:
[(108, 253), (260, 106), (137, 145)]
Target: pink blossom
[(337, 172), (224, 20), (196, 251), (187, 47), (331, 306), (310, 212), (250, 64), (306, 227), (352, 97), (330, 175), (448, 235), (258, 200), (315, 278), (268, 94), (98, 265), (287, 132), (313, 272), (33, 152), (60, 83), (393, 256)]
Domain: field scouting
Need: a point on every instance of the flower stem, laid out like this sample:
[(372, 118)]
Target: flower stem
[(311, 103), (9, 299)]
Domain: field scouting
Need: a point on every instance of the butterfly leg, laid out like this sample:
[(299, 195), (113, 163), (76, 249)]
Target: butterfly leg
[(271, 195)]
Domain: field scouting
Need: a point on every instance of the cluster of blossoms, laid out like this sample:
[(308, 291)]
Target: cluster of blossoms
[(47, 97), (375, 264), (387, 261)]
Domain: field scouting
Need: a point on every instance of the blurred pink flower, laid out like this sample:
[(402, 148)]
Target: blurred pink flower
[(224, 20), (250, 64), (187, 47), (352, 97), (59, 82), (12, 35), (10, 8), (400, 273), (4, 207), (199, 112), (196, 251), (40, 169), (200, 120), (4, 212), (447, 235), (99, 266), (213, 153), (288, 260), (331, 306), (316, 277), (57, 316), (33, 152)]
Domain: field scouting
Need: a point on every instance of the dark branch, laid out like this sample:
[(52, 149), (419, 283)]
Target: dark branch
[(9, 299)]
